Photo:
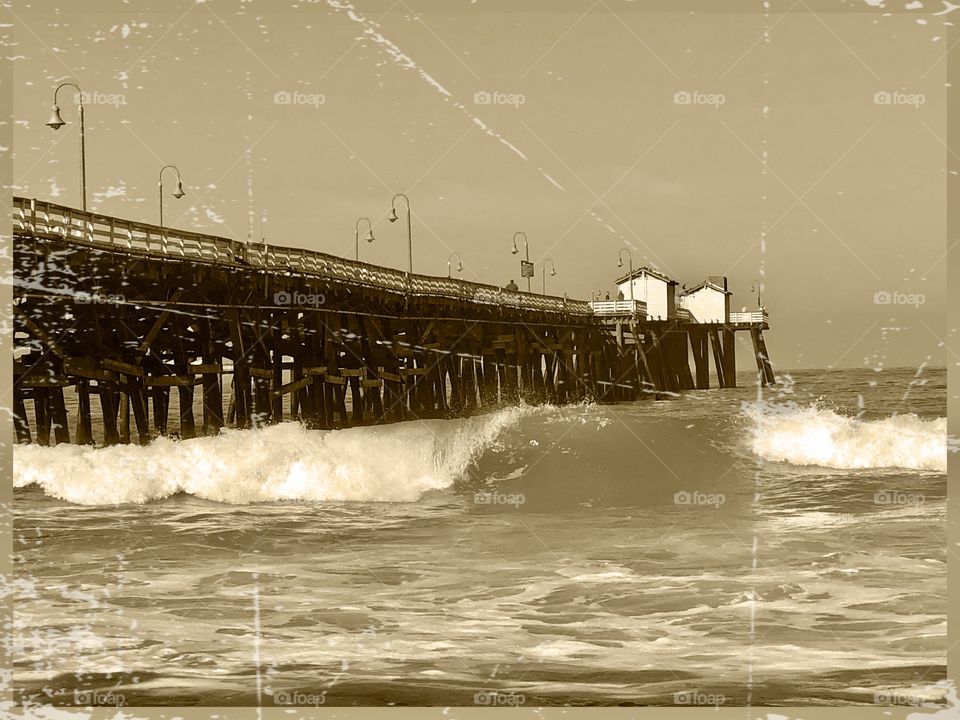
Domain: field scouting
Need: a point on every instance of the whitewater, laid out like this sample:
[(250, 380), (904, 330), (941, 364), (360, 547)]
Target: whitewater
[(400, 462), (820, 436)]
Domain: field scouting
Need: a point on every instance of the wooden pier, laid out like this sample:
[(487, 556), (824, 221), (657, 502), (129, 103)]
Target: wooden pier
[(144, 318)]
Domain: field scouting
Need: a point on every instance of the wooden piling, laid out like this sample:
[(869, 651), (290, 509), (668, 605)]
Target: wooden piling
[(729, 358), (84, 419), (41, 410), (59, 421), (108, 411)]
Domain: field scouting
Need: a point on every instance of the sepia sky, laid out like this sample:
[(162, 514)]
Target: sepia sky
[(292, 121)]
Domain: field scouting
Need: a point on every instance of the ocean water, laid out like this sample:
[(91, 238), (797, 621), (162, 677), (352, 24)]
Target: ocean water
[(719, 548)]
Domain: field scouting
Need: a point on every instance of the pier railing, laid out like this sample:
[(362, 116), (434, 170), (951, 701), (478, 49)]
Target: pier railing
[(619, 307), (44, 219), (755, 316)]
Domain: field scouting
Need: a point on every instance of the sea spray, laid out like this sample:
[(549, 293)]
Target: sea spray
[(787, 432), (387, 463)]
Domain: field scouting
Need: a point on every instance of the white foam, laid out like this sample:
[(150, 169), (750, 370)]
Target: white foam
[(387, 463), (818, 436)]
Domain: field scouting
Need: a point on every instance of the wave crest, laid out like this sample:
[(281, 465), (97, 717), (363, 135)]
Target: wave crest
[(818, 436), (386, 463)]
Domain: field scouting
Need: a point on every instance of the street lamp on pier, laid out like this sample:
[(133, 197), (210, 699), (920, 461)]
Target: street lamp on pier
[(356, 235), (526, 248), (178, 193), (543, 273), (393, 218), (56, 122), (459, 263)]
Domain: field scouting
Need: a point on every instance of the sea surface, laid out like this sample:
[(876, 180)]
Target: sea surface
[(719, 548)]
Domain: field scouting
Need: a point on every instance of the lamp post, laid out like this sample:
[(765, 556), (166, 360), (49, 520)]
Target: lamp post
[(356, 235), (178, 193), (543, 274), (459, 263), (526, 248), (56, 122), (393, 218), (620, 264)]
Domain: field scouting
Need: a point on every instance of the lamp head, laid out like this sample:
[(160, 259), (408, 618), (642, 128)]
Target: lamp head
[(179, 193), (369, 237), (515, 248), (56, 122), (620, 262), (553, 271), (459, 267), (392, 217)]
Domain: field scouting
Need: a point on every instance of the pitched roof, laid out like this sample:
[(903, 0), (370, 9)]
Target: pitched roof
[(706, 284), (646, 271)]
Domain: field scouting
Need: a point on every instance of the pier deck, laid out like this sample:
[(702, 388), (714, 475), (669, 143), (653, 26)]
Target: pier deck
[(133, 313)]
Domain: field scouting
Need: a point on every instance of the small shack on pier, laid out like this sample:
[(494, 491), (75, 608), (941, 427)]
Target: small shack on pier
[(708, 302), (652, 287)]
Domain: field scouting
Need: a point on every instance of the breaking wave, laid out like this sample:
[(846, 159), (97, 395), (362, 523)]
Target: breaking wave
[(387, 463), (819, 436)]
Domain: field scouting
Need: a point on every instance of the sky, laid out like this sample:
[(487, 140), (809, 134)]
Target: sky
[(798, 151)]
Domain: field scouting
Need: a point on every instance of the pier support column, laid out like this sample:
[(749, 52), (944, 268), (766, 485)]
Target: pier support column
[(138, 406), (764, 366), (123, 418), (701, 359), (683, 360), (212, 396), (186, 423), (276, 362), (730, 358), (58, 415), (108, 409), (41, 411), (718, 363), (161, 408), (84, 421)]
